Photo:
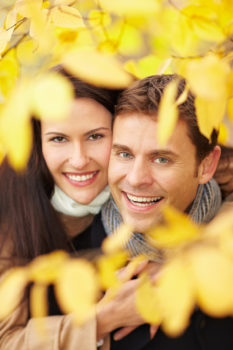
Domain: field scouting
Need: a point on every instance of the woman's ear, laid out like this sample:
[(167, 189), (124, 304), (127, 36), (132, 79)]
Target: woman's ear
[(208, 165)]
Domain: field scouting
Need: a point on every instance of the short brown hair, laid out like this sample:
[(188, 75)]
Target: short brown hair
[(144, 97)]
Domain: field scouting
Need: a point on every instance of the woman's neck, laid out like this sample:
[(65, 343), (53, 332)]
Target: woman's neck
[(75, 225)]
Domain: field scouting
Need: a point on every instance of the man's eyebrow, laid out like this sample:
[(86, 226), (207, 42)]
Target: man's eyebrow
[(155, 153), (119, 147), (163, 153)]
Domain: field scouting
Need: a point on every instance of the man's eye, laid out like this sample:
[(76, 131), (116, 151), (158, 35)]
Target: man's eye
[(161, 160), (124, 155), (58, 139), (94, 137)]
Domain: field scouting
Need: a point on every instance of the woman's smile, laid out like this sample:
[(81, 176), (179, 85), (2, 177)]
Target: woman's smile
[(82, 179)]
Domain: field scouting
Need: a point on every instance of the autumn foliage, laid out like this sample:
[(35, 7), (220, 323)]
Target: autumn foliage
[(110, 43)]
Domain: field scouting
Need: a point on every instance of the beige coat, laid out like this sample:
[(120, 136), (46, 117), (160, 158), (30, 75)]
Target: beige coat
[(19, 333)]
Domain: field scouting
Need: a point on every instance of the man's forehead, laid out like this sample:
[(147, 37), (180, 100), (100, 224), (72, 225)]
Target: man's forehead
[(139, 131)]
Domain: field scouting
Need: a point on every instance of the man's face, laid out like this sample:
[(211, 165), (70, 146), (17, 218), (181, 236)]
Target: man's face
[(143, 175)]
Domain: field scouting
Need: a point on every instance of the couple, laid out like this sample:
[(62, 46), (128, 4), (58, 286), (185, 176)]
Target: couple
[(62, 202)]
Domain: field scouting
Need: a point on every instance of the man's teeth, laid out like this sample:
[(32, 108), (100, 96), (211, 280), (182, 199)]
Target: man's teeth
[(81, 178), (143, 201)]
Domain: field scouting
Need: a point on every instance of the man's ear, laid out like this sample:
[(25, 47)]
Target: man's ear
[(208, 165)]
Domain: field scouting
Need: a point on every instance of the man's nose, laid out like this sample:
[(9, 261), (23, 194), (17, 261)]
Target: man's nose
[(78, 157), (139, 175)]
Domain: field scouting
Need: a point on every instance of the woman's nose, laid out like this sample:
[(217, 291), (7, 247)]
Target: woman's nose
[(78, 157)]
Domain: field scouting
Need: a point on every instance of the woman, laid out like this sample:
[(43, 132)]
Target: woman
[(55, 204)]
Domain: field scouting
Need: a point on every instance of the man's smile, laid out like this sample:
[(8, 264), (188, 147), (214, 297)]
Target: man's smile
[(144, 202)]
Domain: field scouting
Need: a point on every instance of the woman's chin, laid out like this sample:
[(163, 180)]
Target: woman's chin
[(84, 200)]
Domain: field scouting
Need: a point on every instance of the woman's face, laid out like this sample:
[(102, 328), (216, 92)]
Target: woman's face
[(77, 150)]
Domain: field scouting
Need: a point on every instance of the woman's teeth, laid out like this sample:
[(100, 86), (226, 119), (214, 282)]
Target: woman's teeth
[(81, 177), (143, 201)]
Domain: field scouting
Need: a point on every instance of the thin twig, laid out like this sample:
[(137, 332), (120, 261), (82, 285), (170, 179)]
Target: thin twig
[(15, 45), (17, 23)]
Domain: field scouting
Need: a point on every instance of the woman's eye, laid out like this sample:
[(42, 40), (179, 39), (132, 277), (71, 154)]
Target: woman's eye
[(95, 137), (58, 139), (161, 160)]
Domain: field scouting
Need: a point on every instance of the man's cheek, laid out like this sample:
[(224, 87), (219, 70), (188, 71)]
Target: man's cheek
[(116, 172)]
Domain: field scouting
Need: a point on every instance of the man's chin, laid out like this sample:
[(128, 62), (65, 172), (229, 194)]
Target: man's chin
[(142, 226)]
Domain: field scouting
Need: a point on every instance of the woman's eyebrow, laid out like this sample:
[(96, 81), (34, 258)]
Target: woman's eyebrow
[(95, 130), (55, 133)]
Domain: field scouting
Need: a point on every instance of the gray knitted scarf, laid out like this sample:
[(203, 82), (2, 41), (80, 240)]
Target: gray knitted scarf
[(203, 209)]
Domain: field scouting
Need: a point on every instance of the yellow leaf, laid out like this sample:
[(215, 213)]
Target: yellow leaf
[(223, 134), (63, 2), (131, 42), (10, 22), (183, 96), (77, 289), (132, 267), (130, 7), (221, 223), (176, 296), (182, 39), (9, 72), (213, 276), (99, 18), (38, 300), (67, 17), (205, 11), (52, 96), (107, 46), (46, 4), (2, 152), (107, 268), (178, 218), (18, 139), (118, 239), (208, 77), (26, 52), (209, 114), (39, 27), (131, 66), (226, 242), (208, 30), (46, 268), (12, 288), (97, 68), (167, 114), (39, 307), (147, 302), (148, 65), (4, 39), (230, 109), (66, 35), (179, 229), (28, 8), (41, 30)]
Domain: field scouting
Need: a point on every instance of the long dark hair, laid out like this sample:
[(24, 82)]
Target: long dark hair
[(26, 215)]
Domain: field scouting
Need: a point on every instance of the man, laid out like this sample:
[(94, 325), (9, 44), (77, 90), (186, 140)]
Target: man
[(143, 175)]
